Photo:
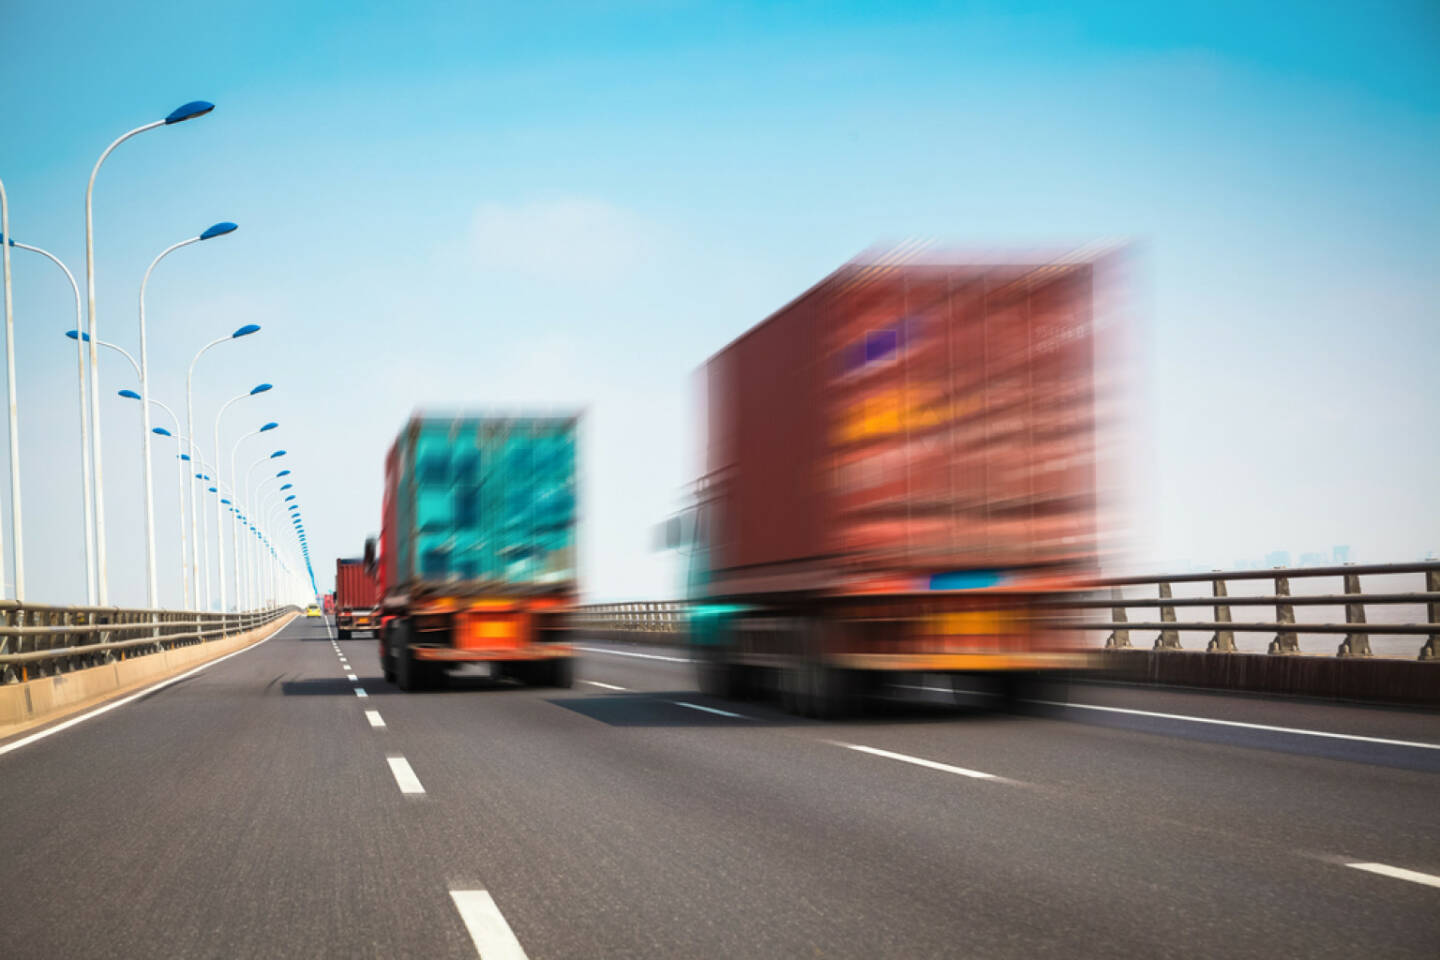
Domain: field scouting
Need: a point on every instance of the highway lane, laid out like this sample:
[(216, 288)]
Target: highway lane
[(256, 809)]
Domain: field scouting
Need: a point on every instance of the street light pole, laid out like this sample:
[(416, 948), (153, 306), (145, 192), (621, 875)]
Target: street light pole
[(85, 492), (201, 574), (195, 108), (219, 516), (249, 549), (180, 472), (14, 426), (218, 230), (234, 492)]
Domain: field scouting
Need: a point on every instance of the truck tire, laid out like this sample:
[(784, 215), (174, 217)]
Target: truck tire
[(834, 693), (793, 690), (561, 673), (387, 662), (809, 687), (410, 674), (344, 634), (713, 670), (1017, 688)]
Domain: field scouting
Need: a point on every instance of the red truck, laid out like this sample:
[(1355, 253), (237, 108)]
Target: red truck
[(357, 598), (900, 473)]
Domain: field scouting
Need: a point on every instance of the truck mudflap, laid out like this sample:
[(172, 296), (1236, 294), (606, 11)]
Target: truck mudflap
[(964, 662), (533, 651)]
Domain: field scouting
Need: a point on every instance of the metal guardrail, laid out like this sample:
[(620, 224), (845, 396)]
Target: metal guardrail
[(659, 617), (41, 640), (668, 617)]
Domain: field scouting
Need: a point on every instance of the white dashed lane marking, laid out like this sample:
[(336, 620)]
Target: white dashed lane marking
[(404, 776), (492, 936)]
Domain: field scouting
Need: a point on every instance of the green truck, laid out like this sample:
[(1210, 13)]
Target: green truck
[(476, 559)]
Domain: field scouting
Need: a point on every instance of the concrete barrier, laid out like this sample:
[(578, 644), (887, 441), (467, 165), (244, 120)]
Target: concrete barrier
[(1375, 680), (1366, 679), (30, 704)]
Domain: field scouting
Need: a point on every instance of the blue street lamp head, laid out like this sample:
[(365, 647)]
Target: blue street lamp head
[(289, 498), (185, 457), (245, 331), (283, 473), (188, 111), (286, 486), (219, 229), (160, 431), (222, 499), (129, 394), (213, 490), (77, 335), (260, 389), (277, 453), (269, 426)]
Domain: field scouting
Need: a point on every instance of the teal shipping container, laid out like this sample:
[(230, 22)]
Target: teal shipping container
[(481, 504)]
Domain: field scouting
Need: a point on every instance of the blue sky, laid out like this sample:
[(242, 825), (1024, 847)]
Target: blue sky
[(573, 204)]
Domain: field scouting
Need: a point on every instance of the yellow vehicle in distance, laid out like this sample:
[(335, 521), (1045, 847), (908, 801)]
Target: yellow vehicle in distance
[(313, 610)]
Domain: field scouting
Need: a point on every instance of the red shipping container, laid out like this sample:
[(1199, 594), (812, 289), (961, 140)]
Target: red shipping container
[(905, 418)]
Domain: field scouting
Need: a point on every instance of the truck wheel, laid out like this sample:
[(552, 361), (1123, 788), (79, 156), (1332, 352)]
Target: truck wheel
[(719, 675), (344, 634), (794, 694), (832, 692), (712, 671), (409, 672), (1016, 689), (387, 662), (562, 673)]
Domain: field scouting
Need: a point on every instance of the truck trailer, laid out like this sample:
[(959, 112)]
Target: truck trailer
[(476, 561), (900, 478), (356, 599)]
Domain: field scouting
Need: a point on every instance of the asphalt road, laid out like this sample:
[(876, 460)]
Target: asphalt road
[(259, 809)]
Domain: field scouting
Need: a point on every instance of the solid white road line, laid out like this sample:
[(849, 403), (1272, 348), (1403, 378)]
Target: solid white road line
[(351, 677), (603, 686), (404, 776), (374, 717), (24, 741), (918, 761), (360, 692), (1399, 873), (721, 713), (642, 656), (1248, 726), (492, 936)]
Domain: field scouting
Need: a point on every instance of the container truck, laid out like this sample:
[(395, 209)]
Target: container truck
[(356, 600), (899, 474), (476, 558)]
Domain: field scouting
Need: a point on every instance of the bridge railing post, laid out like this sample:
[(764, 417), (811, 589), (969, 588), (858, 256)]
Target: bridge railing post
[(1167, 639), (1431, 648), (1286, 641), (1119, 638), (1354, 644), (1223, 641)]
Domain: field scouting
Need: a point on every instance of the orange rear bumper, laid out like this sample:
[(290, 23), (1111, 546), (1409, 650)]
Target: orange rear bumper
[(529, 651)]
